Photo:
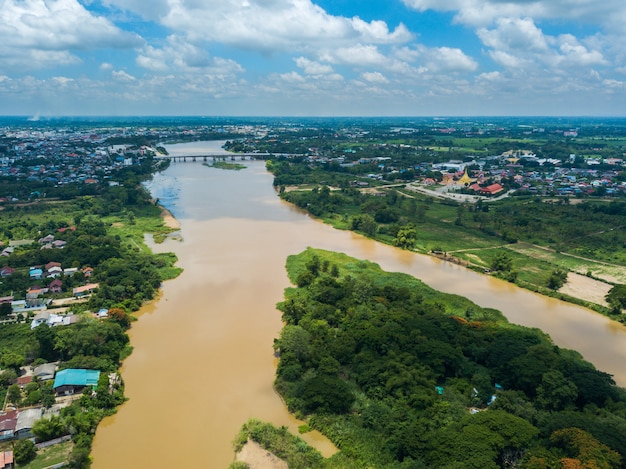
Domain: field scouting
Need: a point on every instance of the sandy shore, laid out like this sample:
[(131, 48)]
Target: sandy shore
[(258, 457), (169, 220), (585, 288)]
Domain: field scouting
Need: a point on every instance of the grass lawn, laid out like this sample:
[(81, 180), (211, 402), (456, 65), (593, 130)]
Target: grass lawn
[(51, 455)]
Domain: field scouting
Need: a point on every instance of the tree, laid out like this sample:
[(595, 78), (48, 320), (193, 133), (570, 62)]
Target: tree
[(579, 444), (501, 262), (12, 360), (617, 296), (556, 392), (406, 237), (325, 394), (5, 309), (296, 340), (557, 279), (364, 223), (119, 316), (14, 394), (48, 429), (24, 451)]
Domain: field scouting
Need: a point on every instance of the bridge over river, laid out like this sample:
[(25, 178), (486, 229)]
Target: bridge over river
[(214, 157)]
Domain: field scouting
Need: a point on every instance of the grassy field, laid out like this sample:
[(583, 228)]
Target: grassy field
[(51, 455), (585, 238)]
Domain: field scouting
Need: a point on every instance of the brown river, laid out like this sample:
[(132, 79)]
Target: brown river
[(203, 361)]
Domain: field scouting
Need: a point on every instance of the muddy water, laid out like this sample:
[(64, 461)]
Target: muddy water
[(202, 361)]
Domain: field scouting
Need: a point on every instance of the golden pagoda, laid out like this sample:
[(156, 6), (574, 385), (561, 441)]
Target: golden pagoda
[(465, 180)]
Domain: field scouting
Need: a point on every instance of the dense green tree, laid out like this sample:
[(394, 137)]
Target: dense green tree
[(325, 394), (557, 279), (49, 428), (24, 451), (406, 237), (501, 262), (556, 392)]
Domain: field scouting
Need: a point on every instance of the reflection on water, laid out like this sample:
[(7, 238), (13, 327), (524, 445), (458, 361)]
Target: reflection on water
[(202, 362)]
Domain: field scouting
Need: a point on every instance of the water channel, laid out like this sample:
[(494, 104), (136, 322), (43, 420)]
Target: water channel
[(202, 362)]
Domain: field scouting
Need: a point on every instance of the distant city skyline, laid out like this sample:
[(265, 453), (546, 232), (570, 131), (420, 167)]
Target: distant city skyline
[(313, 58)]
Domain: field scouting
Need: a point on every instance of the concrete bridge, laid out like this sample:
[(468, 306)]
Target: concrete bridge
[(213, 157)]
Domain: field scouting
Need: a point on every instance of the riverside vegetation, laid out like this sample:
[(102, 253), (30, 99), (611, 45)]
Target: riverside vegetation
[(103, 230), (399, 375), (529, 240)]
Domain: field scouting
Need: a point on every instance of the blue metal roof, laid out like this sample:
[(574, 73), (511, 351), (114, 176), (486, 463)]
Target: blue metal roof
[(76, 377)]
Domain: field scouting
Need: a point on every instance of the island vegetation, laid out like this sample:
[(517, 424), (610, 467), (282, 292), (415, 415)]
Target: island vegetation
[(226, 165), (398, 375)]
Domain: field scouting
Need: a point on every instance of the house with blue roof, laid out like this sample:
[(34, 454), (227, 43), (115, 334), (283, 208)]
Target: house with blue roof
[(74, 380)]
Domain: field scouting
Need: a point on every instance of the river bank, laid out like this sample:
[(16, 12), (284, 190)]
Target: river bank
[(211, 332)]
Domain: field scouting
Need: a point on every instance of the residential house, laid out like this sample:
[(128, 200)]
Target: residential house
[(54, 272), (6, 271), (52, 319), (46, 239), (6, 460), (88, 271), (40, 318), (8, 421), (6, 299), (36, 273), (25, 421), (84, 290), (70, 271), (56, 286), (52, 264), (22, 381), (45, 372), (58, 244), (73, 380)]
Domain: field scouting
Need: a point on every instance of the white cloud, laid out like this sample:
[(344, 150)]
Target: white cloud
[(362, 55), (574, 53), (184, 57), (609, 13), (450, 59), (519, 43), (41, 33), (121, 75), (264, 25), (374, 77), (311, 67), (292, 77), (514, 33), (63, 81)]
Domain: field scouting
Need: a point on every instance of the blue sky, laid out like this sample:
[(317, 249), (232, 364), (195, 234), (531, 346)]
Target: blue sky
[(313, 58)]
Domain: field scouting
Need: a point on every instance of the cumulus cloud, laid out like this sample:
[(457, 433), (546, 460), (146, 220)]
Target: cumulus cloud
[(182, 56), (40, 33), (264, 25), (514, 33), (63, 81), (121, 75), (519, 43), (374, 77), (312, 67), (482, 12)]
